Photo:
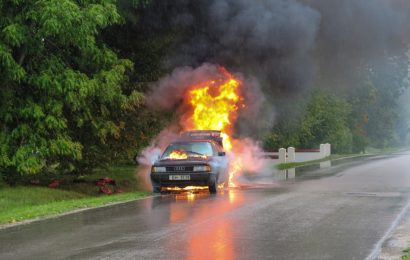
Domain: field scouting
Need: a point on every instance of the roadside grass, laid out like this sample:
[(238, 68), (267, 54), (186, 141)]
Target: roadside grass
[(26, 201), (389, 150), (22, 203), (2, 184), (406, 255), (124, 175)]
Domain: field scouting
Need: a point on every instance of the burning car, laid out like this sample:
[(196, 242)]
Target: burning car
[(196, 159)]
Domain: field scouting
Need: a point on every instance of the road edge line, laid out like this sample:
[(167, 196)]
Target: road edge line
[(378, 246)]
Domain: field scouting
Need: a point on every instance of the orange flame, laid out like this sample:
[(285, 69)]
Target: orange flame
[(215, 106), (178, 155)]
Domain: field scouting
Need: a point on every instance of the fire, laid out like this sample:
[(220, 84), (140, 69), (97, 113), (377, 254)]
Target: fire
[(178, 155), (182, 155), (214, 106), (189, 188)]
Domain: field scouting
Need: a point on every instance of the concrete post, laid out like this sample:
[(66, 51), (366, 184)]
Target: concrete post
[(291, 174), (291, 155), (322, 151), (282, 155), (328, 149), (281, 176)]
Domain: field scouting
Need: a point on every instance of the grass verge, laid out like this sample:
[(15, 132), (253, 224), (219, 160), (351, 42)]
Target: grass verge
[(34, 201), (22, 203), (406, 255), (389, 150)]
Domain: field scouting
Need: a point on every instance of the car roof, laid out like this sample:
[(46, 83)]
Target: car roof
[(192, 141), (181, 141), (203, 135)]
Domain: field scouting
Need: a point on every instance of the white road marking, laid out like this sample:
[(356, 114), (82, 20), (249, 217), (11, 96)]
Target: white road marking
[(378, 247)]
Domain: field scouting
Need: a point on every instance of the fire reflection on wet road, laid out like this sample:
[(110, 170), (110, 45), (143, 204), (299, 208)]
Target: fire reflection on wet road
[(207, 241)]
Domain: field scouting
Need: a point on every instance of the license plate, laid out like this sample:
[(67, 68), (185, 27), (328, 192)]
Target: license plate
[(179, 177)]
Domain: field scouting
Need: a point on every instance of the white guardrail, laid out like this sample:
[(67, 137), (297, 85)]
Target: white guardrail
[(299, 155)]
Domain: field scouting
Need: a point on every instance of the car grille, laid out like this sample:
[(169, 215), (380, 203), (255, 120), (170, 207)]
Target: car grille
[(180, 168)]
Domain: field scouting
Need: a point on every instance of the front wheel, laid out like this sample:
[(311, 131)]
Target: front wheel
[(213, 186)]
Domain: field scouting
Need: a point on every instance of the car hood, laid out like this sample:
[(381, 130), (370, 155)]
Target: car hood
[(189, 161)]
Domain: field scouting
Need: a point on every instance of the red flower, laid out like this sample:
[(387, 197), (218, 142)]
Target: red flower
[(54, 184), (106, 190)]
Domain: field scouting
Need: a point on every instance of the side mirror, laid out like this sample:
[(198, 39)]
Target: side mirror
[(221, 153)]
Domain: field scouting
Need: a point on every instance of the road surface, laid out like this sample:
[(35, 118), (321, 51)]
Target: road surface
[(346, 211)]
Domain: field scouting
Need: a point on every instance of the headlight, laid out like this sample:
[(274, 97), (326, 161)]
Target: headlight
[(158, 169), (202, 168)]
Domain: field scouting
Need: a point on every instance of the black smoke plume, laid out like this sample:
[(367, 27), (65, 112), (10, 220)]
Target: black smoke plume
[(284, 46)]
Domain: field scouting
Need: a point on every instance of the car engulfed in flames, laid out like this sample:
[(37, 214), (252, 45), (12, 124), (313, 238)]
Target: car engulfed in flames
[(215, 102), (196, 159)]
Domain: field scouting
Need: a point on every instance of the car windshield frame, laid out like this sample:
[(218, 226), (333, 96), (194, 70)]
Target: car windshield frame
[(191, 148)]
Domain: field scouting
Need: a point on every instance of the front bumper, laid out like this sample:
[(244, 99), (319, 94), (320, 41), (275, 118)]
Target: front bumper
[(196, 179)]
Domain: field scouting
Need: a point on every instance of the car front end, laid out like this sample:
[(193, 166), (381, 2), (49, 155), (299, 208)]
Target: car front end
[(190, 162), (170, 173)]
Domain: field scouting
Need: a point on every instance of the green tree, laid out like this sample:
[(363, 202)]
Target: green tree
[(147, 37), (283, 134), (61, 94), (377, 119), (326, 121), (389, 78)]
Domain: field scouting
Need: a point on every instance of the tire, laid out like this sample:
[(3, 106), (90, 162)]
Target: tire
[(156, 189), (213, 186)]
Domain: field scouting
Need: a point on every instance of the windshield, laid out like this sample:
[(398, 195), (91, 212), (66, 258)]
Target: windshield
[(185, 150)]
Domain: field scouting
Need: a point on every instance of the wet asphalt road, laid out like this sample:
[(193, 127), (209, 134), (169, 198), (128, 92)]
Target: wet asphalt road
[(341, 212)]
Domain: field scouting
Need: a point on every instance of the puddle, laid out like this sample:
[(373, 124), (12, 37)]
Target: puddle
[(374, 194)]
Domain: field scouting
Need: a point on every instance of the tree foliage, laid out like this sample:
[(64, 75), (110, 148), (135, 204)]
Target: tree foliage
[(146, 38), (325, 120), (60, 85), (73, 74)]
